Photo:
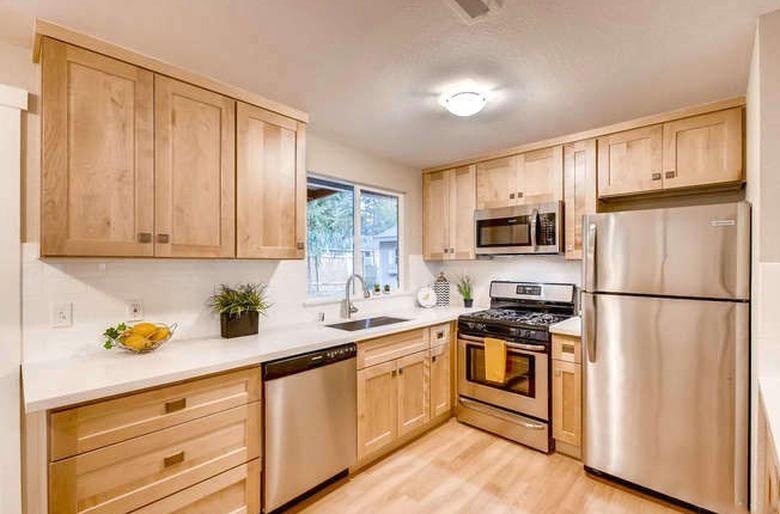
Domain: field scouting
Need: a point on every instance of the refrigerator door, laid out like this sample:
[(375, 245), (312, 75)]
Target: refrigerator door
[(666, 396), (696, 252)]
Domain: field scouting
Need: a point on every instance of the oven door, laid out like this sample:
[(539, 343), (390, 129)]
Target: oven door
[(525, 389)]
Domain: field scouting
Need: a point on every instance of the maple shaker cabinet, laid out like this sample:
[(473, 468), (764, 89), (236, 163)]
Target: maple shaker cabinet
[(579, 181), (270, 185), (97, 159), (539, 176), (567, 394), (441, 389), (448, 222), (497, 182), (630, 162)]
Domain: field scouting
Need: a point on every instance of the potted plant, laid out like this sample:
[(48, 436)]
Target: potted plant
[(377, 289), (466, 289), (239, 308)]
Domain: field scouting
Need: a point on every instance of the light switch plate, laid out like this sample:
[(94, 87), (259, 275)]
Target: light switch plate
[(61, 315), (135, 310)]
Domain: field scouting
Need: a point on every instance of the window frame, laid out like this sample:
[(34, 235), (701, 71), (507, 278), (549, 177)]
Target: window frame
[(357, 243)]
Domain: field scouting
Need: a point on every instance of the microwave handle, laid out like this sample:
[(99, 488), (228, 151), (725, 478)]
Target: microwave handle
[(534, 222)]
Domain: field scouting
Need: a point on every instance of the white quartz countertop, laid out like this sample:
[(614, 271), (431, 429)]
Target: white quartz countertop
[(102, 373), (568, 327)]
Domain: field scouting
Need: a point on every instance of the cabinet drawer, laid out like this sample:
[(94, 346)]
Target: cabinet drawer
[(95, 425), (234, 491), (134, 473), (566, 348), (440, 334), (383, 349)]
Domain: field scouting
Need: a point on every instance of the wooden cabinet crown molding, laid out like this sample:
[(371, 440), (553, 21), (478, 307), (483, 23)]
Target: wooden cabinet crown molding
[(44, 28), (677, 114)]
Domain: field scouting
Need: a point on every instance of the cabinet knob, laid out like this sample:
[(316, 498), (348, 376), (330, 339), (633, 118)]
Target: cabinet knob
[(671, 174), (519, 194), (433, 358), (144, 237), (172, 460), (511, 196), (401, 371), (393, 373), (446, 250), (175, 405), (299, 246), (656, 176), (163, 238)]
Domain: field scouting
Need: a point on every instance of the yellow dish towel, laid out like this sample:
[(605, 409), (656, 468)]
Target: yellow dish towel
[(495, 360)]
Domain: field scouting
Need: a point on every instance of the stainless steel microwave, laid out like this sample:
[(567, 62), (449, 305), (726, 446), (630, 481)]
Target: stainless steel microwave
[(520, 229)]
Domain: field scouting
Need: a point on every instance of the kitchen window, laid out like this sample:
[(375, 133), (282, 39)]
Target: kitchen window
[(351, 229)]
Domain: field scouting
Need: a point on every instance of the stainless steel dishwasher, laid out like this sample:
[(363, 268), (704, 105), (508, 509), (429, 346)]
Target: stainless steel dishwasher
[(310, 422)]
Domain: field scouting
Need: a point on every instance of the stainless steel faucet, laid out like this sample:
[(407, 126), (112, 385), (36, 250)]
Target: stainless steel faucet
[(347, 307)]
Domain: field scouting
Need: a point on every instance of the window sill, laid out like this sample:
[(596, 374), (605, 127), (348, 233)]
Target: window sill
[(309, 302)]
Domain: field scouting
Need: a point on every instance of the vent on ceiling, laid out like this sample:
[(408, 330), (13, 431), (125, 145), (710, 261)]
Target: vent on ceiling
[(472, 11)]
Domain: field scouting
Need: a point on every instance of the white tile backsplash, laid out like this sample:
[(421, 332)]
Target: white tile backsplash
[(171, 291)]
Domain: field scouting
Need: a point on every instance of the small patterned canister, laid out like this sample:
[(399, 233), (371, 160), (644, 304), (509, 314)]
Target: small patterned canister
[(442, 289)]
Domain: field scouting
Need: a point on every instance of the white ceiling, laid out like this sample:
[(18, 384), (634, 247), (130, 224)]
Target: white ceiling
[(370, 72)]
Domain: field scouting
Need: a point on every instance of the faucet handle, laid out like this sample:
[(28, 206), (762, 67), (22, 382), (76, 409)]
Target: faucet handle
[(366, 293)]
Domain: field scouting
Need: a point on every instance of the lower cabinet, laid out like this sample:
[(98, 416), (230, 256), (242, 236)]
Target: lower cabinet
[(567, 395), (402, 395), (235, 490)]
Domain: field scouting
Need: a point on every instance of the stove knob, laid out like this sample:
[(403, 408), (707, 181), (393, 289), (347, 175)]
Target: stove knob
[(470, 324), (480, 326)]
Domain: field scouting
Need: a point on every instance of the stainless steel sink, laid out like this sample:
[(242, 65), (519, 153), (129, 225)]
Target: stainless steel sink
[(361, 324)]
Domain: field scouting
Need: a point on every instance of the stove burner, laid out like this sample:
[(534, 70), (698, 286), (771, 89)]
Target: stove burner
[(542, 319)]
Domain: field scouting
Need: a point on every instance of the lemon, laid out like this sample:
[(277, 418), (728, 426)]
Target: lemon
[(144, 329), (160, 334), (136, 342)]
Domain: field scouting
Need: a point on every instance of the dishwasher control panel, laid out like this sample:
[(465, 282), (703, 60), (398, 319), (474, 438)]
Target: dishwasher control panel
[(311, 360)]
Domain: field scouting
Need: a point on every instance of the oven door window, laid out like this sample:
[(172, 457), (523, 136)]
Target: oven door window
[(520, 371), (514, 231)]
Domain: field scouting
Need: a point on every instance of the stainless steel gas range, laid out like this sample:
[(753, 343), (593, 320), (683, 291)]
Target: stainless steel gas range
[(520, 314)]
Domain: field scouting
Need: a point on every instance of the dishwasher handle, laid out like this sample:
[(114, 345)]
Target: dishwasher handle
[(299, 363)]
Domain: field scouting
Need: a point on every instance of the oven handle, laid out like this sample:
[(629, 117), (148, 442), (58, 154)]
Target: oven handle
[(516, 346), (470, 404)]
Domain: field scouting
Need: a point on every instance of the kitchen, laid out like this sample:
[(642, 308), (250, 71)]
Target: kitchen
[(619, 251)]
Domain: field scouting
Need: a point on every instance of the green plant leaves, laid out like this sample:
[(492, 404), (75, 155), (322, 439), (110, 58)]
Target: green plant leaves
[(235, 301)]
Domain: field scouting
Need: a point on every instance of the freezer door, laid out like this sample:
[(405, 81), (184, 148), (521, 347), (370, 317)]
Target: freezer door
[(697, 252), (666, 396)]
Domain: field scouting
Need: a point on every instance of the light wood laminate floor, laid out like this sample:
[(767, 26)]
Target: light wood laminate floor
[(459, 469)]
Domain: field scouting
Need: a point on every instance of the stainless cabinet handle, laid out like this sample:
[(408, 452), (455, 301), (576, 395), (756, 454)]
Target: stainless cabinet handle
[(656, 176), (144, 237), (163, 238)]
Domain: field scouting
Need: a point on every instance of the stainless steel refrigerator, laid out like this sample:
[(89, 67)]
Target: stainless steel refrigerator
[(666, 308)]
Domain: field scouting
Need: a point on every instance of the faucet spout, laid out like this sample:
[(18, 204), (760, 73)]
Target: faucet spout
[(347, 307)]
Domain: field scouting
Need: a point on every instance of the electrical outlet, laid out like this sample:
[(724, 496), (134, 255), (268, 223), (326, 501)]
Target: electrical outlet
[(135, 310), (61, 315)]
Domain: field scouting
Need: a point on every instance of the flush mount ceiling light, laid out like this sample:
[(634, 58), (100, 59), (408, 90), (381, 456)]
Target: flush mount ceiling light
[(465, 103)]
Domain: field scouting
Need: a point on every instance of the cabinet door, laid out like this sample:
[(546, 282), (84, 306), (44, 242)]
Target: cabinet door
[(413, 392), (440, 380), (497, 183), (579, 165), (462, 199), (436, 215), (271, 185), (630, 161), (98, 156), (703, 149), (377, 407), (540, 176), (194, 171), (567, 401)]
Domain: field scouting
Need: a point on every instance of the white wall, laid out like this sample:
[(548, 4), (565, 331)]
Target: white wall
[(11, 101)]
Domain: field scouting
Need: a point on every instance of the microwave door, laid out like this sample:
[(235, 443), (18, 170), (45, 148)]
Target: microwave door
[(502, 235)]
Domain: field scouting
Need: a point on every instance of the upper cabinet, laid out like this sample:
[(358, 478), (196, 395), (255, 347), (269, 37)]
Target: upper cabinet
[(579, 180), (448, 214), (194, 171), (97, 155), (529, 178), (630, 161), (271, 179), (703, 150), (140, 164)]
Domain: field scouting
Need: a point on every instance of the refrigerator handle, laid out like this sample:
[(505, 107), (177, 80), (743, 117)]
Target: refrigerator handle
[(589, 325), (742, 401), (589, 280)]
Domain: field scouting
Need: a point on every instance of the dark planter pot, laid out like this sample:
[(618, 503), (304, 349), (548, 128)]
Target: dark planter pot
[(468, 303), (237, 326)]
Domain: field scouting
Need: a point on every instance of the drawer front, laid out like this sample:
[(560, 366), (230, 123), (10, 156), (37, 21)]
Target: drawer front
[(440, 334), (566, 348), (95, 425), (134, 473), (383, 349), (236, 491)]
